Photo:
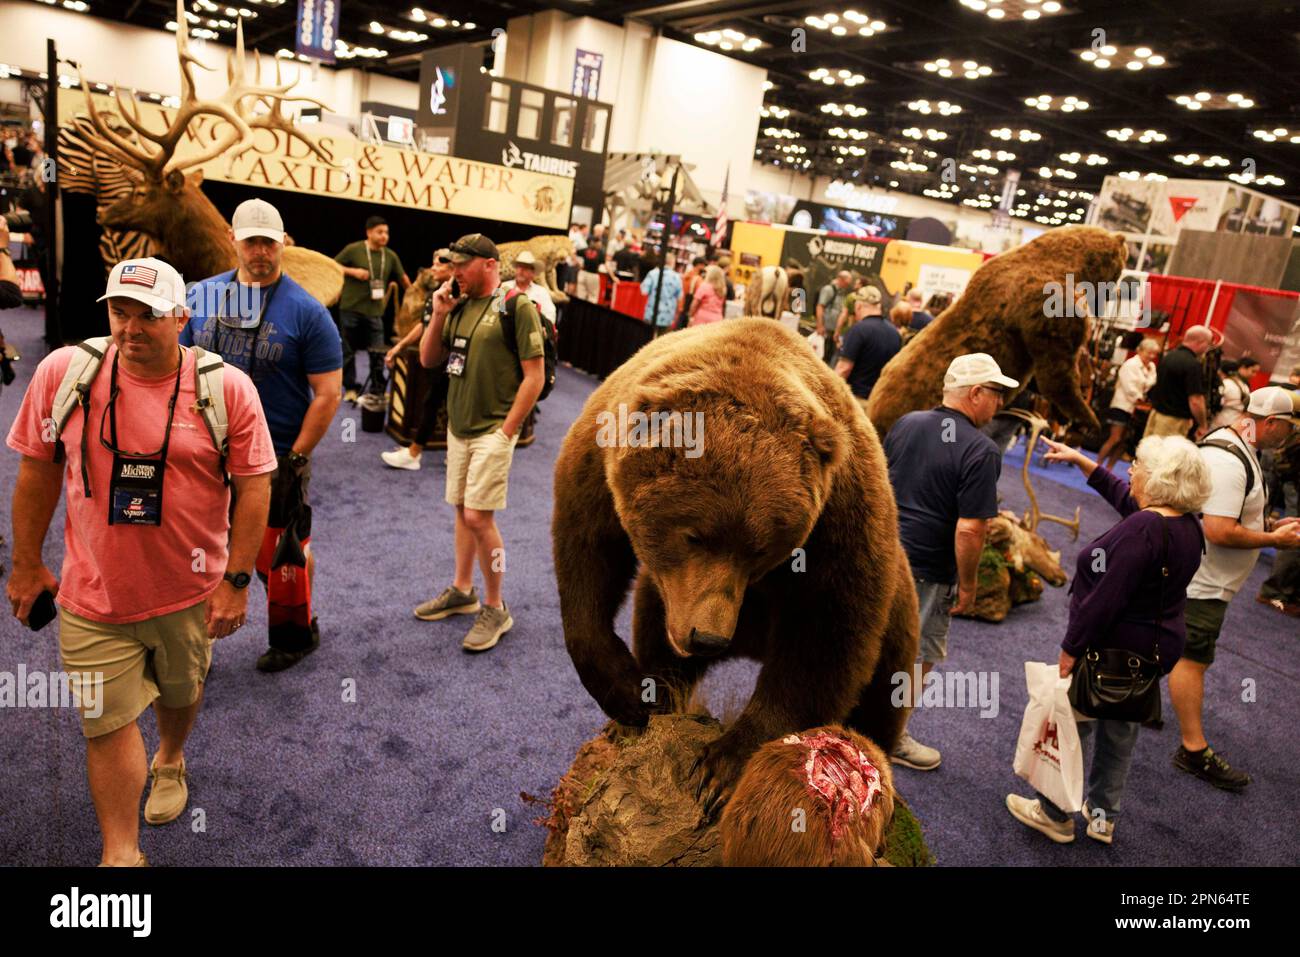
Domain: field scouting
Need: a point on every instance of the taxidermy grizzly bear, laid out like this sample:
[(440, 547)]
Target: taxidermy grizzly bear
[(735, 477), (1005, 312), (819, 798)]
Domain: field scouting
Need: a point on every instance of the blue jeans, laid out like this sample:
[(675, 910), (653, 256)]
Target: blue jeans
[(1111, 760)]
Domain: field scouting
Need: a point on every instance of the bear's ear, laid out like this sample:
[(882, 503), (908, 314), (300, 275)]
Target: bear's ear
[(828, 438)]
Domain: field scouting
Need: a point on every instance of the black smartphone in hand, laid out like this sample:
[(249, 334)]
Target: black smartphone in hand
[(43, 611)]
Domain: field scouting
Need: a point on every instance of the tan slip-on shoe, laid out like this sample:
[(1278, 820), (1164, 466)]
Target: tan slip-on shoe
[(168, 793)]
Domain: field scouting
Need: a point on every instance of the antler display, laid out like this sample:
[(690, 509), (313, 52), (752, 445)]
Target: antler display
[(155, 153)]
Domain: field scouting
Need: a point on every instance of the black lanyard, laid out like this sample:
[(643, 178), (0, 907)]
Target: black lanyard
[(110, 412), (266, 304), (112, 408), (456, 328)]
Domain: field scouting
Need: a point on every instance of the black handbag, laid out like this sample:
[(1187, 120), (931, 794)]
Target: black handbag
[(1113, 684)]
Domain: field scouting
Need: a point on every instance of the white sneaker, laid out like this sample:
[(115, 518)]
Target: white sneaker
[(400, 459), (911, 753), (1100, 827), (1029, 812)]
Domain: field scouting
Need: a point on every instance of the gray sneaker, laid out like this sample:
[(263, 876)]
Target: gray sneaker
[(911, 753), (452, 601), (489, 626)]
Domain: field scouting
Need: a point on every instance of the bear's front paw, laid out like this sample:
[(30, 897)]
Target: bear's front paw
[(716, 772), (626, 708)]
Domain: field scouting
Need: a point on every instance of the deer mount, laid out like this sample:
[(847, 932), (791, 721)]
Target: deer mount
[(166, 202)]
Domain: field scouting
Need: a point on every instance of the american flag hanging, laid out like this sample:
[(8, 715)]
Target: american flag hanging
[(720, 226), (138, 275)]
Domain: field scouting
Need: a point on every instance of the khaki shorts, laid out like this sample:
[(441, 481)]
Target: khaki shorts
[(165, 658), (588, 286), (1160, 424), (478, 469)]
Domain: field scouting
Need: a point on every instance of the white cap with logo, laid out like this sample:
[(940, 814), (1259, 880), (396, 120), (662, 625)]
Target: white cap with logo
[(151, 281), (975, 368), (257, 217), (1275, 400)]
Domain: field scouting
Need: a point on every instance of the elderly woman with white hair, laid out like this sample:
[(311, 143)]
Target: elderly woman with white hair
[(1129, 591)]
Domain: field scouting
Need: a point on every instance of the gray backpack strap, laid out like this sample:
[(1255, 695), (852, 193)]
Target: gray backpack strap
[(1240, 456), (210, 400), (73, 391)]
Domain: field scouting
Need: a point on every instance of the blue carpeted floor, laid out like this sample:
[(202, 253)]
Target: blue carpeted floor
[(438, 744)]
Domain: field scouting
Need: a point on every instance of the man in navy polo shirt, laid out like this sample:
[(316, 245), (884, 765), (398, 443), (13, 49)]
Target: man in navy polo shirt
[(867, 345), (264, 323), (945, 471)]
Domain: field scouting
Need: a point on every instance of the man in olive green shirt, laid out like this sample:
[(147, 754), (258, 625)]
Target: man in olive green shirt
[(368, 267), (490, 394)]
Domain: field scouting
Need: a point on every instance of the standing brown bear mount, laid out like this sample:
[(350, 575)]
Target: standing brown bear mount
[(1004, 312), (755, 514)]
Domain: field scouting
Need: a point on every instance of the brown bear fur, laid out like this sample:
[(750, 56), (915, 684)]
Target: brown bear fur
[(789, 461), (1002, 312), (761, 827)]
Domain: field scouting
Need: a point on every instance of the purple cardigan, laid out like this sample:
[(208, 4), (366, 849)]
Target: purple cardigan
[(1115, 595)]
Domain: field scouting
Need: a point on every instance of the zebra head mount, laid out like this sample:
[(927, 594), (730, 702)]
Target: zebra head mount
[(167, 202)]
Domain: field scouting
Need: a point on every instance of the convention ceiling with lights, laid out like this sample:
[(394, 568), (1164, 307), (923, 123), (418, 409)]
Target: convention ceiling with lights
[(935, 97)]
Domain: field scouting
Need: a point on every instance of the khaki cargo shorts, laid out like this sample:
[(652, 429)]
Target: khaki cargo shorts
[(1160, 424), (165, 658), (478, 470)]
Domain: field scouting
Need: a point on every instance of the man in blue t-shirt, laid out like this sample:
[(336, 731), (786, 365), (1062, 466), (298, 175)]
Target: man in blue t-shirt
[(945, 471), (264, 323), (867, 345)]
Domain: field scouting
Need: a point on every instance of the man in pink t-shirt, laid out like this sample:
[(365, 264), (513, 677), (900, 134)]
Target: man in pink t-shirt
[(147, 579)]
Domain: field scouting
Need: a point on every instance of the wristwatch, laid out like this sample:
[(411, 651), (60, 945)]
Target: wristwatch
[(297, 460), (238, 579)]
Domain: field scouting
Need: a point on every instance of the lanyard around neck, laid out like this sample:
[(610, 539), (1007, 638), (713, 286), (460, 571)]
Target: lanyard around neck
[(110, 410), (268, 295)]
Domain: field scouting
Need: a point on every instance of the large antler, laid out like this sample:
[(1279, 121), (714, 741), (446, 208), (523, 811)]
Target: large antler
[(245, 98), (155, 153)]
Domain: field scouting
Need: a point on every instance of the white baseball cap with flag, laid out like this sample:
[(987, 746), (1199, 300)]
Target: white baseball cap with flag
[(257, 217), (975, 368), (1275, 400), (150, 281)]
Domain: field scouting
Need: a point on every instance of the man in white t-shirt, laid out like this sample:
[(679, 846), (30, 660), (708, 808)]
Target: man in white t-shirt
[(1235, 531)]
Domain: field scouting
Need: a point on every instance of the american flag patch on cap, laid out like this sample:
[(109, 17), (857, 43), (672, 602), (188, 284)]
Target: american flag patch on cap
[(138, 275)]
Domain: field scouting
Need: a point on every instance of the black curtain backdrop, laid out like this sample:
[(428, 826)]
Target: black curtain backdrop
[(598, 340), (325, 224)]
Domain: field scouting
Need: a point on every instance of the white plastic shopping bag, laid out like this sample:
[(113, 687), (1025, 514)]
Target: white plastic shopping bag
[(816, 343), (1048, 754)]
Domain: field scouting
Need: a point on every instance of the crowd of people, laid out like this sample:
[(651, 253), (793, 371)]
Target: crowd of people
[(230, 385), (221, 393)]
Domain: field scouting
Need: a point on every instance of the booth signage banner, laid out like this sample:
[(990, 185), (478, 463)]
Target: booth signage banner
[(1187, 204), (366, 172), (586, 74), (823, 256), (1264, 326), (316, 28), (947, 279)]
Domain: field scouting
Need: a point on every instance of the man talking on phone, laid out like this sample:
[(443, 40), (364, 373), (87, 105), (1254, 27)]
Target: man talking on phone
[(146, 436), (493, 386)]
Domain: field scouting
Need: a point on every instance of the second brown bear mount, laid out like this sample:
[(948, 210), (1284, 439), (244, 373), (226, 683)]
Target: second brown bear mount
[(1004, 311)]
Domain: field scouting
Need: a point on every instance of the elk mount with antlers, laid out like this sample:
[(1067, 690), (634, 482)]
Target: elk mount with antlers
[(167, 203)]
